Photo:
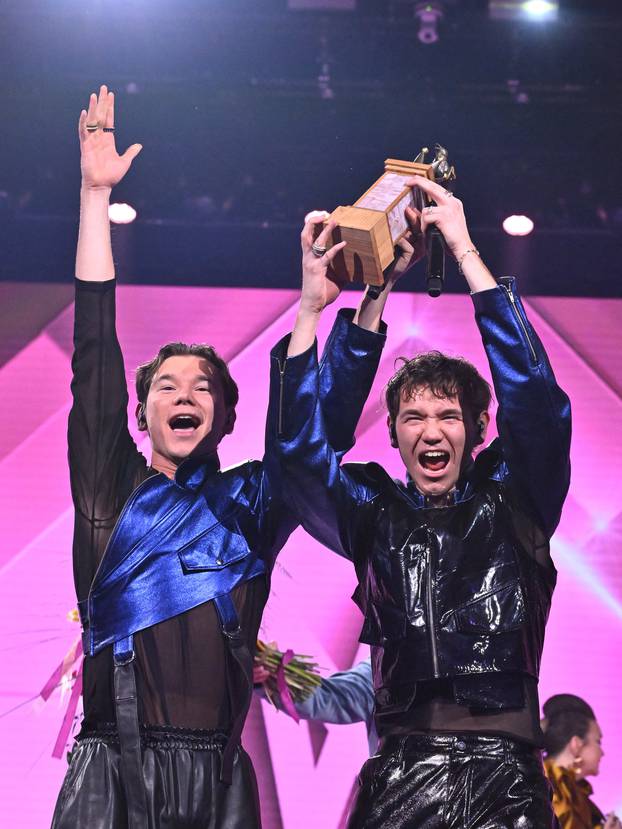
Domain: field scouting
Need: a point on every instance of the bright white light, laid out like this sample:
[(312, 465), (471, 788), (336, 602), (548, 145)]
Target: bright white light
[(317, 214), (523, 9), (540, 8), (518, 225), (121, 214)]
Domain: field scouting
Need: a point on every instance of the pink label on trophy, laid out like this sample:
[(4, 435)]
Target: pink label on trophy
[(398, 224), (383, 193)]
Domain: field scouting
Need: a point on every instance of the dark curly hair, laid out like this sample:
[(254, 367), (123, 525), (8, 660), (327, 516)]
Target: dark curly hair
[(444, 376), (147, 371)]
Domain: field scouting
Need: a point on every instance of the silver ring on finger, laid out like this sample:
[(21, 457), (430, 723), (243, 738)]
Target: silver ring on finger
[(318, 250), (92, 127)]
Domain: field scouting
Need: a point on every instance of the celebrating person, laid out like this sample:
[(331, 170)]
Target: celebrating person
[(454, 570), (572, 742), (171, 559)]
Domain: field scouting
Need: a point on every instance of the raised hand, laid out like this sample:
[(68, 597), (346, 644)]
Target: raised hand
[(102, 167), (319, 284), (447, 215)]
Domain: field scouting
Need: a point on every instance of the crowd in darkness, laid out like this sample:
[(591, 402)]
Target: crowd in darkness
[(258, 195), (250, 120)]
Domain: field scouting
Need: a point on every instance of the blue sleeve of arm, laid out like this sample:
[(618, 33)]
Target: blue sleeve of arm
[(345, 697), (533, 418), (347, 370), (324, 496), (345, 376)]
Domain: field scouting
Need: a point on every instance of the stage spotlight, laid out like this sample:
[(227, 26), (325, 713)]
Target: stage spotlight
[(316, 214), (121, 214), (523, 9), (518, 225), (540, 9)]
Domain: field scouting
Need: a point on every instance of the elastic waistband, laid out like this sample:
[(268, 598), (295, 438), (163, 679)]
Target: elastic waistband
[(460, 744), (162, 737)]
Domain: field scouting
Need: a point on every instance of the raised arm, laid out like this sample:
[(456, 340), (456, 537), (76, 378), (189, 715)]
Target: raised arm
[(313, 409), (533, 418), (101, 167), (103, 458), (320, 286)]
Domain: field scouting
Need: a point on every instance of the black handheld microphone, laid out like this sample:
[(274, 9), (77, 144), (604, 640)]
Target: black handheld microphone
[(435, 249)]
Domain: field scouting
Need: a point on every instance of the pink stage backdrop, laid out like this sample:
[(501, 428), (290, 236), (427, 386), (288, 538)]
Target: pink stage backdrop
[(306, 772)]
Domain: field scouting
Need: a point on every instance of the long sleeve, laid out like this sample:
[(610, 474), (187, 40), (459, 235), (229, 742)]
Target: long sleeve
[(344, 379), (533, 418), (324, 496), (346, 372), (342, 698), (103, 459)]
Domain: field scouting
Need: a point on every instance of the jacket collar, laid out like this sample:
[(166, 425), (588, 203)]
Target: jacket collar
[(193, 472)]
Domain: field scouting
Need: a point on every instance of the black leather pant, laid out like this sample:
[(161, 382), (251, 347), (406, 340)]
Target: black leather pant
[(453, 781), (181, 772)]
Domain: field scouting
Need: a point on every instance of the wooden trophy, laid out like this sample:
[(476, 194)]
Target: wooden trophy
[(377, 221)]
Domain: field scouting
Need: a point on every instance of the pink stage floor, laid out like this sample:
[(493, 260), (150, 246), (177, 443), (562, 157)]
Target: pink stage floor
[(306, 773)]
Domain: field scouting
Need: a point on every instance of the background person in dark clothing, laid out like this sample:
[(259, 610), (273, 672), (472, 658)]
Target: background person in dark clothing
[(455, 576)]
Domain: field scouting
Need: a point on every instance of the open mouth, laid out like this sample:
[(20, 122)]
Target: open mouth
[(434, 460), (184, 424)]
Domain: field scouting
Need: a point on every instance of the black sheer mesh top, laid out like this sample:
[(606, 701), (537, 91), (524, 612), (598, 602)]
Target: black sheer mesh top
[(181, 663), (434, 708)]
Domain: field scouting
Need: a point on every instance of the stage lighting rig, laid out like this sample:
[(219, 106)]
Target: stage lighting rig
[(429, 15)]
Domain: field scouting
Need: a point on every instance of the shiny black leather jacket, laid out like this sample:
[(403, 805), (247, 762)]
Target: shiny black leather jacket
[(460, 592)]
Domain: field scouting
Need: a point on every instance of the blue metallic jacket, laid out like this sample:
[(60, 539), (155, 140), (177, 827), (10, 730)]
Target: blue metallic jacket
[(179, 543), (460, 592)]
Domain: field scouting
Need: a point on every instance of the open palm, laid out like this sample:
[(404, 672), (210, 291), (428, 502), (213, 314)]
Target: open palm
[(101, 164)]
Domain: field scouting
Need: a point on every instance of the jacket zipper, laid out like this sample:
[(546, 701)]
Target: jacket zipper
[(520, 321), (281, 384), (431, 614)]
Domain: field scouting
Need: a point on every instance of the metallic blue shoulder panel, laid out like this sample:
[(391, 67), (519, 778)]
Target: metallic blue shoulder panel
[(176, 545)]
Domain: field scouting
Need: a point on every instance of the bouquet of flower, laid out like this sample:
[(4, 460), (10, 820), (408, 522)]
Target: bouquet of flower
[(275, 669)]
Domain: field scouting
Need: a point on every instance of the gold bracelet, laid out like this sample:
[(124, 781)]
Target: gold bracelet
[(466, 253)]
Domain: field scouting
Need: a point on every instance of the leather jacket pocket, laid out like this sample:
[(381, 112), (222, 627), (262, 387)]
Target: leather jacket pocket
[(393, 699), (383, 623), (498, 611), (215, 548)]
